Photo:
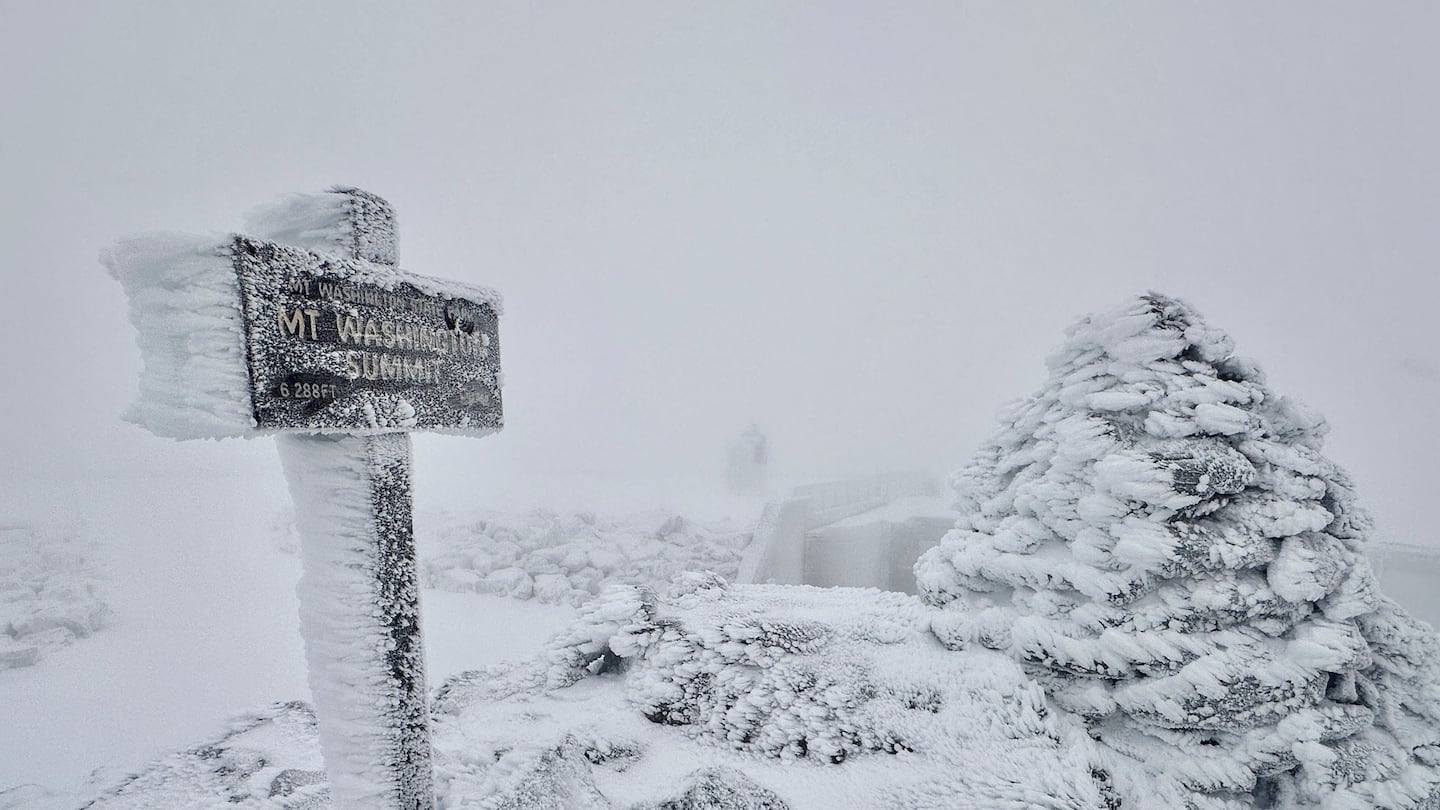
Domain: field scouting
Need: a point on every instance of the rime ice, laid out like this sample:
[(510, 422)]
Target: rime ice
[(1158, 539), (247, 337), (255, 337)]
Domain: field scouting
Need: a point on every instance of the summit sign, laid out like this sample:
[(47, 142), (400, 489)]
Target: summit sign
[(333, 347), (309, 332)]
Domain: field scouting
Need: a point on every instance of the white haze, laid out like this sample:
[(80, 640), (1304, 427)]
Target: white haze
[(860, 225)]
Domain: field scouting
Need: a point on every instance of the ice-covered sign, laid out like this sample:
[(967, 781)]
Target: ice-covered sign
[(306, 324), (333, 345), (307, 329)]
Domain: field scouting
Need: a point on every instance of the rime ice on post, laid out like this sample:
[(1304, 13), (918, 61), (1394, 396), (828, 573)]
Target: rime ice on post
[(312, 333)]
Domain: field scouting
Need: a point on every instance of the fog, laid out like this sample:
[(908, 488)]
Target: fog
[(861, 226)]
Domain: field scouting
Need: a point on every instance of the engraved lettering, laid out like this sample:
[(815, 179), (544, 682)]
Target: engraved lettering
[(348, 327), (292, 324)]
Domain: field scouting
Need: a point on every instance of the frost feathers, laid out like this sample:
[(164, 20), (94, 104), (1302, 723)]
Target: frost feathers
[(1157, 537), (184, 304)]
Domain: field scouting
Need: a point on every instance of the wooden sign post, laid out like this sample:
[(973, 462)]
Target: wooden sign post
[(308, 330)]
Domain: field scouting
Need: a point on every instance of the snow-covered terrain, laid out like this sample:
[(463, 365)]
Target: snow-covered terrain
[(50, 591), (1158, 593), (202, 625), (179, 667), (562, 558), (754, 694), (859, 227), (198, 572), (567, 559)]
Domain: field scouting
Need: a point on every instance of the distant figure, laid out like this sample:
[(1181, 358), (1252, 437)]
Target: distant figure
[(748, 457)]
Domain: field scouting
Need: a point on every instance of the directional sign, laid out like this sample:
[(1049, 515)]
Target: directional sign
[(334, 346), (319, 337)]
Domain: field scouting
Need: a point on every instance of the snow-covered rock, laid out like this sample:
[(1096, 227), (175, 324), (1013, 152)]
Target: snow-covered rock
[(1156, 536), (557, 779), (568, 559), (616, 714), (825, 676), (720, 789), (563, 559), (49, 592), (269, 759)]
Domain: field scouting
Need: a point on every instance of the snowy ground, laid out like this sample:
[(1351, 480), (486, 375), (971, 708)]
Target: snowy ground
[(192, 589), (51, 590), (821, 660), (201, 624)]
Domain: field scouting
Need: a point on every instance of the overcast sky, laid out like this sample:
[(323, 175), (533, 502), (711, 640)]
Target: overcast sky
[(861, 225)]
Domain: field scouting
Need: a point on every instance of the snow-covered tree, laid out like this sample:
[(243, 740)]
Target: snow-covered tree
[(1159, 540)]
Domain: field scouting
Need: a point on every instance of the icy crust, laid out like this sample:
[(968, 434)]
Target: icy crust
[(386, 277), (359, 614), (189, 313), (568, 559), (188, 308), (343, 221), (185, 305), (1158, 539), (354, 224), (318, 221), (49, 592)]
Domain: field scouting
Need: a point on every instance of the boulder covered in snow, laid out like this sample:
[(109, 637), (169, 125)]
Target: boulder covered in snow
[(707, 696), (1157, 537), (568, 558), (720, 789), (49, 592), (269, 759), (820, 695), (558, 779)]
